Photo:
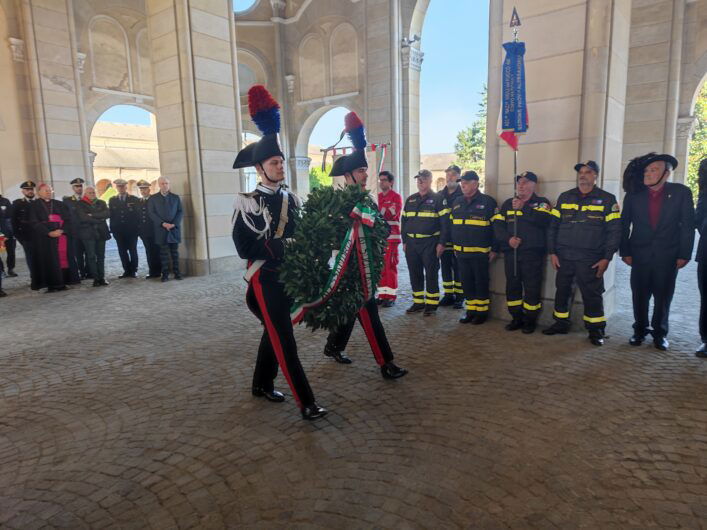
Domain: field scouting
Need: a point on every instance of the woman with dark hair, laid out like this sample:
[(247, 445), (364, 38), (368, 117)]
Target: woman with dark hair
[(701, 258)]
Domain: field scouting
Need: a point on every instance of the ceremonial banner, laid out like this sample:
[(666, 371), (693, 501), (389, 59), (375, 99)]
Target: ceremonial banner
[(513, 117)]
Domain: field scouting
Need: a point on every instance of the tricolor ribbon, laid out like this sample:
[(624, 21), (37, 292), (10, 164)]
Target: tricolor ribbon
[(356, 240)]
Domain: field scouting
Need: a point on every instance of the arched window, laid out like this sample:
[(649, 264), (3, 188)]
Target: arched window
[(144, 63)]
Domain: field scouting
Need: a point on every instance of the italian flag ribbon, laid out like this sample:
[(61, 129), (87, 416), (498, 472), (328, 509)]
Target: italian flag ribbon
[(355, 240)]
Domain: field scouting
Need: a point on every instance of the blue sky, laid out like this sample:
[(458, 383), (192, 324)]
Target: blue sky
[(455, 43)]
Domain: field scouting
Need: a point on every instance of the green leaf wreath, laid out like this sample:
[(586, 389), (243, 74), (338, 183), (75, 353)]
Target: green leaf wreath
[(321, 230)]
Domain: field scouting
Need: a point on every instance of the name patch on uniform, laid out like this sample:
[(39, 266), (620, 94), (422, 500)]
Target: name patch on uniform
[(480, 206), (597, 201), (429, 201)]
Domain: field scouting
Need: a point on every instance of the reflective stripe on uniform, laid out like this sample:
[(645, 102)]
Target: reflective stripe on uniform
[(445, 211), (418, 297), (592, 208), (471, 222), (514, 212), (557, 314), (514, 303), (387, 290), (567, 206), (419, 236), (612, 216), (458, 288), (432, 298), (529, 307), (594, 320), (498, 217), (484, 250), (554, 212)]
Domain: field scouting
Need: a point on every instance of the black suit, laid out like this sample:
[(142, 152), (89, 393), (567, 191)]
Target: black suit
[(123, 225), (7, 230), (655, 252), (23, 232), (701, 258)]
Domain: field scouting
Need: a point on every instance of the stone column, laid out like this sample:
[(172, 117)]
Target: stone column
[(412, 59), (195, 100), (576, 63), (301, 165), (56, 92), (685, 128)]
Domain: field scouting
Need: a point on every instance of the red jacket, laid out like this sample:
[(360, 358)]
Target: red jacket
[(390, 205)]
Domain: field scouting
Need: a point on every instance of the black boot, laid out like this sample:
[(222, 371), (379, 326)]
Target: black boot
[(596, 337), (430, 310), (514, 324), (447, 300), (480, 319), (313, 412), (390, 371), (529, 326), (701, 351), (415, 308), (558, 328), (459, 302), (270, 395), (468, 318), (339, 356)]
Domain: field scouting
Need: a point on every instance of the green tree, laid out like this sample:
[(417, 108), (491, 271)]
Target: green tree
[(698, 143), (319, 178), (471, 142)]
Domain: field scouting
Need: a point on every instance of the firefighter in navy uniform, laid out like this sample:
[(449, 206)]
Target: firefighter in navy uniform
[(524, 249), (451, 282), (262, 221), (354, 169), (471, 234), (424, 227), (582, 240)]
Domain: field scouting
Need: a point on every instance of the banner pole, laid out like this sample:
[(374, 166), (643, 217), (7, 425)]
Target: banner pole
[(515, 22)]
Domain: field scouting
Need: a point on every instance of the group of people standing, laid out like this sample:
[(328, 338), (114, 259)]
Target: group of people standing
[(461, 230), (64, 241)]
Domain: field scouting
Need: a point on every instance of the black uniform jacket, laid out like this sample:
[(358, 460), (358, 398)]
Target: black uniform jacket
[(92, 220), (123, 215), (533, 220), (20, 219), (5, 217), (585, 227), (449, 199), (250, 245), (674, 236), (145, 225), (72, 202), (471, 232), (701, 225), (425, 218)]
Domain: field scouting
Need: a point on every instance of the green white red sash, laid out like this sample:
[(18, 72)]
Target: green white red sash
[(355, 240)]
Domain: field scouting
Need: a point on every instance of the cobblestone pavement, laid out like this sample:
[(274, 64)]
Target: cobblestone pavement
[(129, 406)]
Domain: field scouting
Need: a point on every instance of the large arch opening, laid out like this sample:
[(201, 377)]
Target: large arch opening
[(124, 141), (697, 141)]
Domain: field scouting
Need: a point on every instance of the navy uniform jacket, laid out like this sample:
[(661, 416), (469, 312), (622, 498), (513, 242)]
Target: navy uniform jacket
[(123, 215), (166, 209), (425, 218), (471, 233), (701, 225), (449, 199), (585, 228), (72, 202), (674, 236), (533, 220), (250, 244), (145, 225), (5, 217), (20, 219)]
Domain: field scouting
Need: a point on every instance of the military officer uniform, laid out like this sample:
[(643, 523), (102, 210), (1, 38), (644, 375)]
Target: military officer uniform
[(146, 232), (424, 226), (586, 229), (22, 228), (451, 282), (123, 225), (7, 231), (524, 266), (471, 235), (71, 202)]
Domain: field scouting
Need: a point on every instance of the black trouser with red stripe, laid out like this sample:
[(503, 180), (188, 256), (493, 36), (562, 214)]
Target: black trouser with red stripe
[(267, 300), (372, 326)]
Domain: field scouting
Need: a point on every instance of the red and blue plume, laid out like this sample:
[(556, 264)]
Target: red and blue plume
[(354, 128), (264, 110)]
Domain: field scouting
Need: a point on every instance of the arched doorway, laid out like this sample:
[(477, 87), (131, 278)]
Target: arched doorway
[(124, 139), (697, 143)]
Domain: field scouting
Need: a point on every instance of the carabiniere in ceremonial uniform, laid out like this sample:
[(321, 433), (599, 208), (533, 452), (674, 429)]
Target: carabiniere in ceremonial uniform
[(263, 220)]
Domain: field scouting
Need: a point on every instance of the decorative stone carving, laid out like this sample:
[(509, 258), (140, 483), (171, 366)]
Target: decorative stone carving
[(686, 126), (91, 157), (290, 80), (412, 58), (302, 163), (18, 49), (277, 5), (80, 61)]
